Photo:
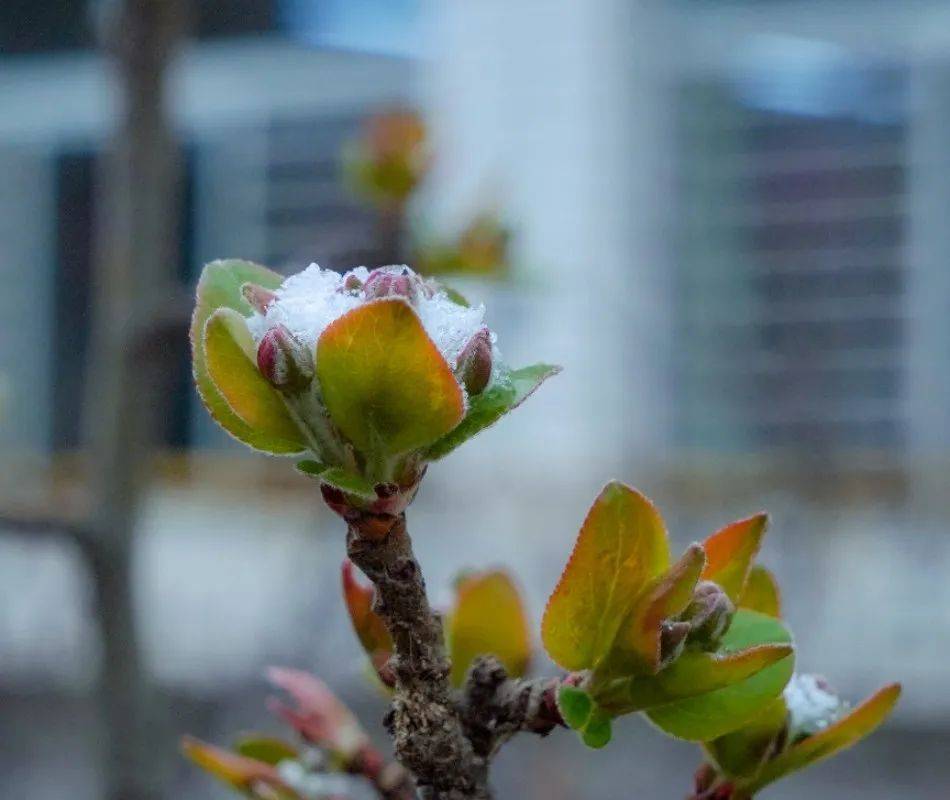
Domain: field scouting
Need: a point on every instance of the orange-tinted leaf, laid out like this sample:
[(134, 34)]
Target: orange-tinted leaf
[(761, 592), (848, 730), (731, 551), (220, 287), (369, 626), (621, 547), (384, 382), (235, 770), (637, 647), (488, 618), (229, 350)]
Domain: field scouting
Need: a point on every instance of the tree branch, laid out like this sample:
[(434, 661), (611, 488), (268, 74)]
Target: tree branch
[(428, 734), (495, 706)]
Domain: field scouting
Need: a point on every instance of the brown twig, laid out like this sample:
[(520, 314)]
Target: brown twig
[(495, 707), (428, 734), (445, 739)]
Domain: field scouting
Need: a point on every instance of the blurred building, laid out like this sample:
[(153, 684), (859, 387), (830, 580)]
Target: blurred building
[(731, 230)]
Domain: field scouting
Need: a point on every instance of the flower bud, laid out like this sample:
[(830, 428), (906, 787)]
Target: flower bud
[(672, 641), (352, 284), (709, 614), (258, 297), (393, 282), (475, 362), (284, 360)]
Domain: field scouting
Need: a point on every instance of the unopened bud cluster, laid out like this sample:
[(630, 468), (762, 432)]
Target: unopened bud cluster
[(286, 325)]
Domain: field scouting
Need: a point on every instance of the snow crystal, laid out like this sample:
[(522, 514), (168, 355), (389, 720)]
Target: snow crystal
[(812, 706), (310, 300)]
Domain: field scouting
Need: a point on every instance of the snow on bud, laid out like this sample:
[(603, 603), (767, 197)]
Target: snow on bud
[(351, 284), (284, 360), (475, 362), (394, 282), (812, 706), (708, 614), (258, 297)]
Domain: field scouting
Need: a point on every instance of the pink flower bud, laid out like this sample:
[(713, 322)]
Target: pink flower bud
[(284, 360), (672, 640), (393, 282), (709, 614), (351, 284), (474, 362), (258, 297)]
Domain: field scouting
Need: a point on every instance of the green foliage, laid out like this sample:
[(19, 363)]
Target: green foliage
[(220, 287), (711, 714), (268, 749), (510, 390)]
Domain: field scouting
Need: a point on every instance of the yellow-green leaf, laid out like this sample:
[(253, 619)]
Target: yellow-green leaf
[(637, 646), (740, 754), (229, 350), (848, 730), (761, 592), (713, 714), (575, 706), (621, 547), (220, 287), (489, 618), (507, 393), (731, 551), (237, 771), (384, 382), (268, 749)]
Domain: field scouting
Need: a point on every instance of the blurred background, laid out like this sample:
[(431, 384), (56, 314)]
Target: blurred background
[(727, 220)]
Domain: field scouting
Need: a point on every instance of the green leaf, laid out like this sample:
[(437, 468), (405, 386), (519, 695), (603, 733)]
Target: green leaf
[(580, 713), (384, 382), (220, 287), (848, 730), (731, 551), (761, 592), (694, 673), (713, 714), (598, 730), (740, 754), (621, 547), (575, 706), (229, 353), (637, 646), (484, 410), (268, 749), (337, 477), (488, 618)]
